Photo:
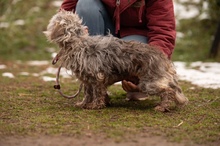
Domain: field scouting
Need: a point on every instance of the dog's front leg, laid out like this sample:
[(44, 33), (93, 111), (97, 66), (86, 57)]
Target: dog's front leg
[(88, 96), (95, 97), (100, 95)]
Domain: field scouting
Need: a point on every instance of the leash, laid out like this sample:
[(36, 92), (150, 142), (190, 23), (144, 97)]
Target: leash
[(57, 86)]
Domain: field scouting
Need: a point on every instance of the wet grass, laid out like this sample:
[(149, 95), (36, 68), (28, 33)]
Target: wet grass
[(30, 106)]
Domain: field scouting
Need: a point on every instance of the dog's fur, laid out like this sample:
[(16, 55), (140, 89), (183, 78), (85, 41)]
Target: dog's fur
[(100, 61)]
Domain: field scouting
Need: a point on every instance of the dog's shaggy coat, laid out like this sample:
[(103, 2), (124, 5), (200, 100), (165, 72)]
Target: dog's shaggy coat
[(100, 61)]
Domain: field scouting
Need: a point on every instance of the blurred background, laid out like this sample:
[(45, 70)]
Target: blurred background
[(23, 21)]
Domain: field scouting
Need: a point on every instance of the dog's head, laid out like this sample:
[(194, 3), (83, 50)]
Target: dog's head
[(65, 26)]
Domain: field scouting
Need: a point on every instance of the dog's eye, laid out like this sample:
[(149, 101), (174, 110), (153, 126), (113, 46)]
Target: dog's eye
[(81, 32), (78, 31), (72, 30)]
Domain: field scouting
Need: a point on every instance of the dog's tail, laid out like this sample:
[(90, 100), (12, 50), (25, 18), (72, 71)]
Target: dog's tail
[(57, 86)]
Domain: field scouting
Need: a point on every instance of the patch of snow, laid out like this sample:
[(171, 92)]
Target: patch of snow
[(63, 72), (183, 12), (48, 79), (205, 75), (19, 22), (57, 3), (2, 66), (4, 25), (15, 1), (179, 34), (37, 63), (49, 70), (213, 67), (8, 74), (190, 11), (203, 16), (51, 49), (24, 73), (53, 55), (35, 74), (34, 9)]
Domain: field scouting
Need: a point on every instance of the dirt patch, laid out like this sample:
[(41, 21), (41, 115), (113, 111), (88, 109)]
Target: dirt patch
[(144, 138), (138, 140)]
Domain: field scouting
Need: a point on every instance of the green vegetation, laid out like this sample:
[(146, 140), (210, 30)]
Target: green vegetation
[(23, 38), (198, 33)]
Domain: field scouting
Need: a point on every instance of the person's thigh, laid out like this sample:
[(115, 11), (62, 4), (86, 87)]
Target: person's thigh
[(95, 16)]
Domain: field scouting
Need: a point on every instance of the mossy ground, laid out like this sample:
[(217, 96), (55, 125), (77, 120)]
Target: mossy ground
[(30, 106)]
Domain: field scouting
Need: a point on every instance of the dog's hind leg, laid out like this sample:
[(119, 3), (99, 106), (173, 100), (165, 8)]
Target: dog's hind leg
[(160, 87), (100, 95), (171, 93), (88, 96)]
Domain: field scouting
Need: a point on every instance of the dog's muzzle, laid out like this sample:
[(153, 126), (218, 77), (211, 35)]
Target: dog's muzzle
[(55, 59)]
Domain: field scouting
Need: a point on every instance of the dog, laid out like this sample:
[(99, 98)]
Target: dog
[(100, 61)]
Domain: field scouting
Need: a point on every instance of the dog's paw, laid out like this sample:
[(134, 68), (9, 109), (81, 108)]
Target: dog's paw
[(92, 105), (136, 96), (160, 108), (181, 99), (165, 106)]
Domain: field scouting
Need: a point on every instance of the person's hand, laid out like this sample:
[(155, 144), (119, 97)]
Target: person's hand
[(129, 86)]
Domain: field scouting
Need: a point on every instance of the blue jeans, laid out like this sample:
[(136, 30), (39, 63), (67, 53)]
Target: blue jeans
[(96, 17)]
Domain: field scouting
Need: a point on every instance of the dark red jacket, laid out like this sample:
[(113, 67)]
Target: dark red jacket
[(151, 18)]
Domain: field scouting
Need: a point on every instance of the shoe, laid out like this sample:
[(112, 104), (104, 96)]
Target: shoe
[(136, 96)]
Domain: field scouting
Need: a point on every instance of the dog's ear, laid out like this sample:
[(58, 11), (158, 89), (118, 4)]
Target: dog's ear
[(58, 30)]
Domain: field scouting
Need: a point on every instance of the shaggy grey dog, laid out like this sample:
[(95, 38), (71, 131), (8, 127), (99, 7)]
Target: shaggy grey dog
[(100, 61)]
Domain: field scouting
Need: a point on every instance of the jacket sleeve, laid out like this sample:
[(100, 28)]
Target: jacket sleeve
[(161, 25), (69, 5)]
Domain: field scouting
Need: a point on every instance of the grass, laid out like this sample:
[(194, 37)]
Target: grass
[(30, 106)]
